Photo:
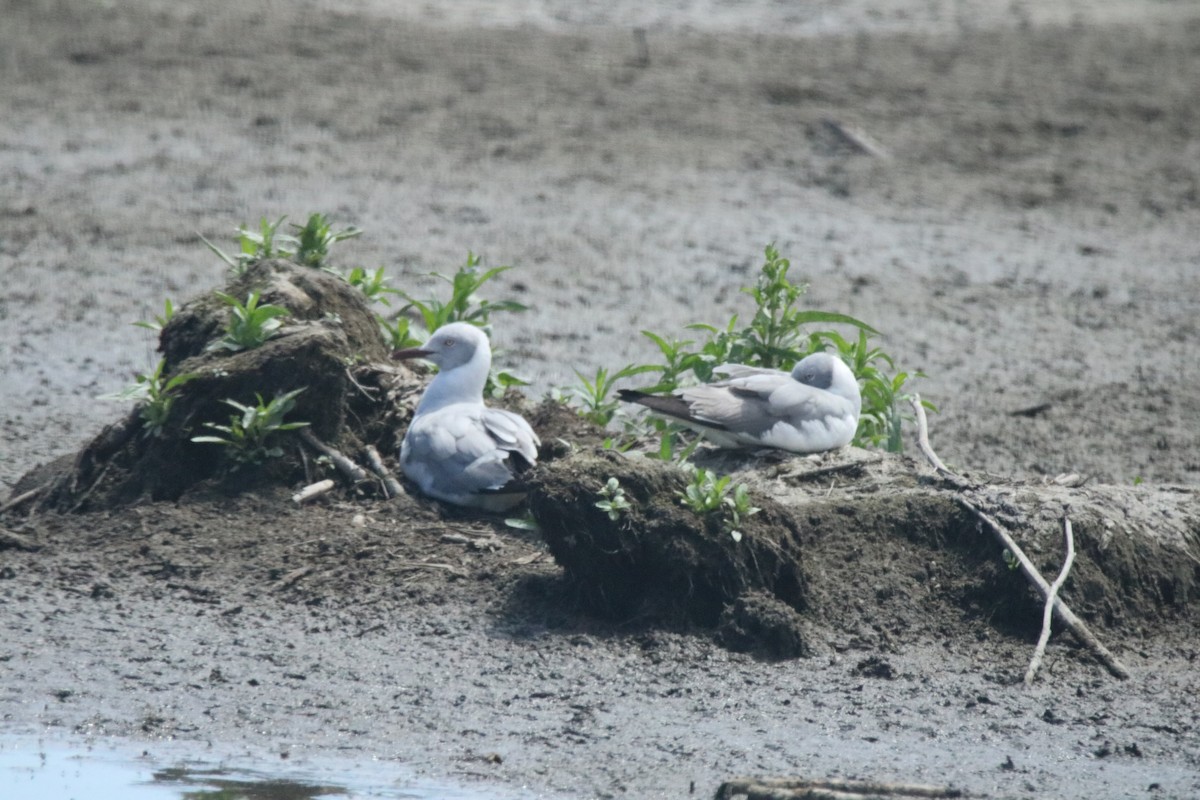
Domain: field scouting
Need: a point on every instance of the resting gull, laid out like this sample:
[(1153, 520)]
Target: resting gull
[(457, 449), (815, 407)]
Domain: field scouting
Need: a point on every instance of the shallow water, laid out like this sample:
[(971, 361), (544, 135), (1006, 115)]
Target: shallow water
[(34, 770)]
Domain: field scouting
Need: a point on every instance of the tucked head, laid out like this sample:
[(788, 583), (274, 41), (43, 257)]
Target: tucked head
[(815, 370), (450, 346), (828, 372)]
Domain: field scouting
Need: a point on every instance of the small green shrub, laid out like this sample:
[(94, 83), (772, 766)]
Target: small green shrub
[(310, 246)]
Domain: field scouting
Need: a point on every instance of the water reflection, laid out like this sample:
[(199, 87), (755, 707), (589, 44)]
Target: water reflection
[(39, 770), (221, 786)]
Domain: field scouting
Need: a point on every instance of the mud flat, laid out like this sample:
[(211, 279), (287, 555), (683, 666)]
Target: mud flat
[(1027, 242)]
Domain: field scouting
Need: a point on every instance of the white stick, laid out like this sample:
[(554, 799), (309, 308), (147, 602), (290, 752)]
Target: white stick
[(1048, 611), (313, 490)]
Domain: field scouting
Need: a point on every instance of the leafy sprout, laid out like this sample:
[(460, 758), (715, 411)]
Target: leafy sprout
[(255, 246), (372, 284), (252, 433), (464, 304), (315, 238), (156, 395), (250, 325), (614, 502), (160, 320), (595, 394)]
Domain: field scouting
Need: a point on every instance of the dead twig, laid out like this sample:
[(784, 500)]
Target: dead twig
[(353, 472), (391, 486), (856, 138), (23, 497), (1048, 612), (16, 541), (292, 577), (923, 440)]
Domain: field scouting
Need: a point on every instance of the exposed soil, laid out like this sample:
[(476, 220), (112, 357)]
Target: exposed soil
[(1028, 242)]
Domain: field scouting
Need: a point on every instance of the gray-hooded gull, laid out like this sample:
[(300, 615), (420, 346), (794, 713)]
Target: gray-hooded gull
[(815, 407), (457, 449)]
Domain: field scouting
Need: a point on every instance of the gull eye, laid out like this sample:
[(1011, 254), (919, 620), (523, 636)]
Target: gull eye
[(450, 342)]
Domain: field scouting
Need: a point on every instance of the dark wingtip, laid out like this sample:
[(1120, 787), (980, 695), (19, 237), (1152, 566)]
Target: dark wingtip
[(631, 395)]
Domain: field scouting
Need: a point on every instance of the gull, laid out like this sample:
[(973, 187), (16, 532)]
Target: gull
[(813, 408), (457, 449)]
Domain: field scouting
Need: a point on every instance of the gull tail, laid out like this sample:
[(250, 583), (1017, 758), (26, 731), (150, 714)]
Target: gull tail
[(668, 405)]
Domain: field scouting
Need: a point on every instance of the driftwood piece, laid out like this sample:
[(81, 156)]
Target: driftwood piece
[(1048, 612), (804, 789), (1064, 614), (353, 472)]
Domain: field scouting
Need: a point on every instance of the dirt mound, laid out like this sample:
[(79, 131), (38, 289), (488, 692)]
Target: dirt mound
[(864, 546), (330, 350)]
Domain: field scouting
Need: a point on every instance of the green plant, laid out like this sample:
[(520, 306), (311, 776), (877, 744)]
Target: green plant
[(740, 508), (614, 503), (252, 432), (255, 246), (314, 239), (309, 247), (160, 320), (464, 304), (372, 284), (250, 324), (595, 394), (156, 395), (499, 381), (708, 492), (399, 334)]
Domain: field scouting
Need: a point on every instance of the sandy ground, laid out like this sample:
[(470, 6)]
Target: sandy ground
[(1028, 241)]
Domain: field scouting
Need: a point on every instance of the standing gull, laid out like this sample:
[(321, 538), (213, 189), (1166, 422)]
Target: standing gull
[(815, 407), (457, 449)]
